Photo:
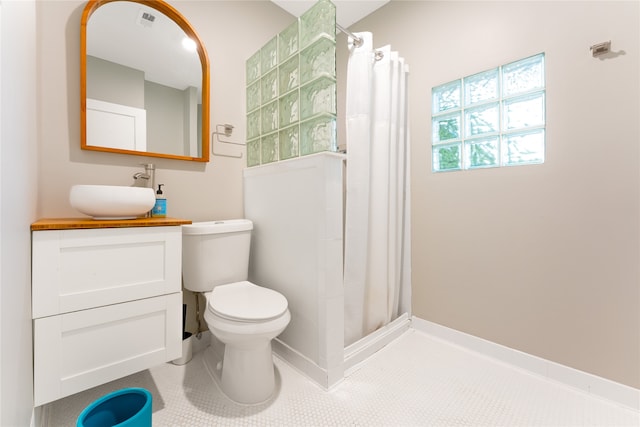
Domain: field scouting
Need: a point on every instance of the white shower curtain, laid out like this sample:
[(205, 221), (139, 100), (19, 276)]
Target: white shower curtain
[(377, 273)]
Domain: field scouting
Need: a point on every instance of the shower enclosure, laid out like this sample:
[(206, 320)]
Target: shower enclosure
[(297, 248), (323, 235)]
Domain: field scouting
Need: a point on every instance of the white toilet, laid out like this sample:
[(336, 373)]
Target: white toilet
[(243, 316)]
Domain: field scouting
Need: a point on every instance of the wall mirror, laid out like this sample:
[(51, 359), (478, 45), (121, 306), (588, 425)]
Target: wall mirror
[(144, 81)]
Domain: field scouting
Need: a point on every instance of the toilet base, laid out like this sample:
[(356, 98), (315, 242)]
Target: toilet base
[(247, 374), (248, 378)]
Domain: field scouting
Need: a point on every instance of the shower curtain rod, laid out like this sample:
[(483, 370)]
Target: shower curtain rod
[(357, 41)]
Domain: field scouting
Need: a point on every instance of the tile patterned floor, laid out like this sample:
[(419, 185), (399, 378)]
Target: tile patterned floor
[(414, 381)]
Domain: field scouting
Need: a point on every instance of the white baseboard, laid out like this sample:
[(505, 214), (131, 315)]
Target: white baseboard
[(322, 377), (39, 415), (589, 383), (362, 349)]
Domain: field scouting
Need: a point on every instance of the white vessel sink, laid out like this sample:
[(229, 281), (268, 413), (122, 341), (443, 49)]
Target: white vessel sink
[(112, 201)]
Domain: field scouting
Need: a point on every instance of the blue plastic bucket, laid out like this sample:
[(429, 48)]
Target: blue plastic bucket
[(129, 407)]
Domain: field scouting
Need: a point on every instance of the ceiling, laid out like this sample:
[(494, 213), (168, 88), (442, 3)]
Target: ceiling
[(117, 32), (348, 12)]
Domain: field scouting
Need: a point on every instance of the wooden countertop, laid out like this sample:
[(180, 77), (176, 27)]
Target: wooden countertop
[(86, 222)]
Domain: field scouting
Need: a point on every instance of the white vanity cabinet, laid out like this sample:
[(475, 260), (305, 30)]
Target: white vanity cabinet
[(106, 303)]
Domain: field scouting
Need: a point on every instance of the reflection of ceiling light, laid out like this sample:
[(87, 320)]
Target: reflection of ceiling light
[(189, 44)]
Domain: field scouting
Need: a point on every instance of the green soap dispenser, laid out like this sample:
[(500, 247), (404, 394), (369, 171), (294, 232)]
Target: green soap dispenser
[(160, 208)]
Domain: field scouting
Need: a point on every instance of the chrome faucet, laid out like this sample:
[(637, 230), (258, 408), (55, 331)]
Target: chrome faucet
[(146, 178), (141, 179)]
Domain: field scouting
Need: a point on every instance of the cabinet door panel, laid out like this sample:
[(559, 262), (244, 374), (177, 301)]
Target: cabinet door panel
[(79, 269), (79, 350)]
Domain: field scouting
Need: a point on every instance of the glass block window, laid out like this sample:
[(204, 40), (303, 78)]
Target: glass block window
[(291, 90), (490, 119)]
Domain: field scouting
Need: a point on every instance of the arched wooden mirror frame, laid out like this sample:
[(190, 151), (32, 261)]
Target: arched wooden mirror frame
[(177, 17)]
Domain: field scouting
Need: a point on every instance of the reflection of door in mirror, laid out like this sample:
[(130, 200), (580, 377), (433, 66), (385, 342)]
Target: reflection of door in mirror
[(145, 81)]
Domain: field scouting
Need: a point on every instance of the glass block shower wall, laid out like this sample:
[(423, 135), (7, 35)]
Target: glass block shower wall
[(291, 90)]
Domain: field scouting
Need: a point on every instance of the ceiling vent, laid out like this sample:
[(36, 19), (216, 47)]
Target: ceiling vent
[(145, 19)]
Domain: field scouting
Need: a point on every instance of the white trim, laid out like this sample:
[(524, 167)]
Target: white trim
[(362, 349), (324, 378), (589, 383), (39, 416)]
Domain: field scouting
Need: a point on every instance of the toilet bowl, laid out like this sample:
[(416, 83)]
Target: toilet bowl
[(243, 316), (246, 317)]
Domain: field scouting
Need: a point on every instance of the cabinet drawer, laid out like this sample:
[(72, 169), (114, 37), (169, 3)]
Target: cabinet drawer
[(79, 269), (77, 351)]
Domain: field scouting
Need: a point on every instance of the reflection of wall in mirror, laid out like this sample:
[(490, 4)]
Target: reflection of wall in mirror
[(111, 82), (172, 115), (172, 119)]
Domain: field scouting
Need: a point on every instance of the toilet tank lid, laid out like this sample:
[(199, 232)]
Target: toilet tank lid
[(215, 227)]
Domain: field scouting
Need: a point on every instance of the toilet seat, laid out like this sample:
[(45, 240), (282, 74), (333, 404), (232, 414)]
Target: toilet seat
[(246, 302)]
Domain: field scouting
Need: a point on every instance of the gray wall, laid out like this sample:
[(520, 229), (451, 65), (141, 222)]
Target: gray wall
[(544, 258), (165, 118), (115, 83)]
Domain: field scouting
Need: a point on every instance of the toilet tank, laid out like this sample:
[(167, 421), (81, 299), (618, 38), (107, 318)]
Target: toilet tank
[(215, 253)]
